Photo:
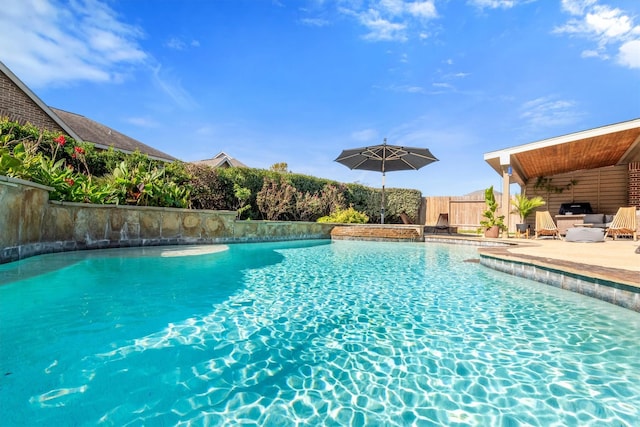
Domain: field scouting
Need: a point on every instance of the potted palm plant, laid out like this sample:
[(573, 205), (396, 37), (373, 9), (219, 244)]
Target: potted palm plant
[(491, 223), (524, 206)]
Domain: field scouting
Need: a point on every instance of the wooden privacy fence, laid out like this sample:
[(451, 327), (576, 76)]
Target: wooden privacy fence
[(606, 189), (465, 212)]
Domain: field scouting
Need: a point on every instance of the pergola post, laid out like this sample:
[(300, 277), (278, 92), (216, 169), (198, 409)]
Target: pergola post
[(505, 162)]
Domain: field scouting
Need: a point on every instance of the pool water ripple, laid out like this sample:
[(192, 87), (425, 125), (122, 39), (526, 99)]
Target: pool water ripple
[(347, 333)]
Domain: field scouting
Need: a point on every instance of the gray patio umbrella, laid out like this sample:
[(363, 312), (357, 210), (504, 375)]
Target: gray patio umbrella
[(384, 158)]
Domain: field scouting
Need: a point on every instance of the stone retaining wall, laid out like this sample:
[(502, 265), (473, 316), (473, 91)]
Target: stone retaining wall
[(412, 233), (30, 225)]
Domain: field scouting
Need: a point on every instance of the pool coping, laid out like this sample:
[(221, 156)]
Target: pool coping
[(613, 285)]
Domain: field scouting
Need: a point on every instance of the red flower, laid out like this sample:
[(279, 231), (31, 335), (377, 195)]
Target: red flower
[(60, 140), (79, 150), (69, 181)]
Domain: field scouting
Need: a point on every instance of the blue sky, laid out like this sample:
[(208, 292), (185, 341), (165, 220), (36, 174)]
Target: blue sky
[(297, 81)]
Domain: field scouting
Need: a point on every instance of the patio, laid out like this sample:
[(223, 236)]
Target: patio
[(600, 166), (612, 260)]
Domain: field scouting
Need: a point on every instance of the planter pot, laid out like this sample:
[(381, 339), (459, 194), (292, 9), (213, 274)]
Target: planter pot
[(492, 232)]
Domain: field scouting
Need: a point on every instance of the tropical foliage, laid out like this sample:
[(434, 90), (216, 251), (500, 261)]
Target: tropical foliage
[(78, 172), (524, 206), (489, 217)]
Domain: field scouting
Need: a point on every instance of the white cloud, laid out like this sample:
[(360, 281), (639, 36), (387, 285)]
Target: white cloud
[(314, 22), (609, 28), (177, 43), (65, 42), (493, 4), (629, 54), (172, 87), (405, 89), (391, 20), (422, 9), (393, 7), (142, 122), (365, 135), (594, 54), (381, 29), (549, 112), (609, 23), (62, 42), (577, 7)]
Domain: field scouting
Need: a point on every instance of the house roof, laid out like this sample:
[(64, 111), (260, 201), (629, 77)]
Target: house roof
[(82, 129), (610, 145), (28, 92), (104, 137), (221, 160)]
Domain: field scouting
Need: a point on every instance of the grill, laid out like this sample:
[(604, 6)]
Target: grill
[(575, 208)]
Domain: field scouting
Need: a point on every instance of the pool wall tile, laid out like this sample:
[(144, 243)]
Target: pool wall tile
[(611, 292)]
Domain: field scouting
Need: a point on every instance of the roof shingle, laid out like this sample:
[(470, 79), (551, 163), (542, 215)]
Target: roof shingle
[(104, 137)]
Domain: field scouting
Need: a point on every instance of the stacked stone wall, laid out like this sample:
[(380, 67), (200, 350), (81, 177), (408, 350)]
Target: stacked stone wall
[(30, 225), (378, 232)]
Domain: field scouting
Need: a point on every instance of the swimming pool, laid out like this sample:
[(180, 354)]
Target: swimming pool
[(307, 333)]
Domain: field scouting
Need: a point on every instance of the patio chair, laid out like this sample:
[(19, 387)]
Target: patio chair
[(545, 225), (442, 223), (624, 223), (405, 218)]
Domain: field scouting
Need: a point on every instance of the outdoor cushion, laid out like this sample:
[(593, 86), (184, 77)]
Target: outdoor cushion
[(593, 219), (584, 234)]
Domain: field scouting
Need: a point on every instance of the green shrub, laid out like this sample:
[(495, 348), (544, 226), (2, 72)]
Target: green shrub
[(346, 216), (79, 172), (209, 189), (276, 199)]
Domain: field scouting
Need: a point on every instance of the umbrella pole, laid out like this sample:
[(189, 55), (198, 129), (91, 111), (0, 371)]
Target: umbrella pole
[(382, 205)]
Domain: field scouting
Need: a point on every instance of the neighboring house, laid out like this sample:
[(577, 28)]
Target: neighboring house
[(221, 160), (104, 137), (18, 103)]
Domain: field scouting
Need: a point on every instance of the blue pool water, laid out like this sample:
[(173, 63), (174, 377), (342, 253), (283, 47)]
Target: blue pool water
[(307, 333)]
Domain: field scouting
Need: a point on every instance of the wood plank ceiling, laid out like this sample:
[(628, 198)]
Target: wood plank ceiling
[(588, 153)]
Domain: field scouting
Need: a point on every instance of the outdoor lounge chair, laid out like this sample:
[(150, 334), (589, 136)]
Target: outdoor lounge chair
[(624, 223), (545, 225), (442, 223), (405, 218)]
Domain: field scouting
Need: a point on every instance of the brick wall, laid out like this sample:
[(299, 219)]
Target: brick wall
[(17, 106), (634, 184)]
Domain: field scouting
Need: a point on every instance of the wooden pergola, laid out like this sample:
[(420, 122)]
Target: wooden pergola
[(616, 144)]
